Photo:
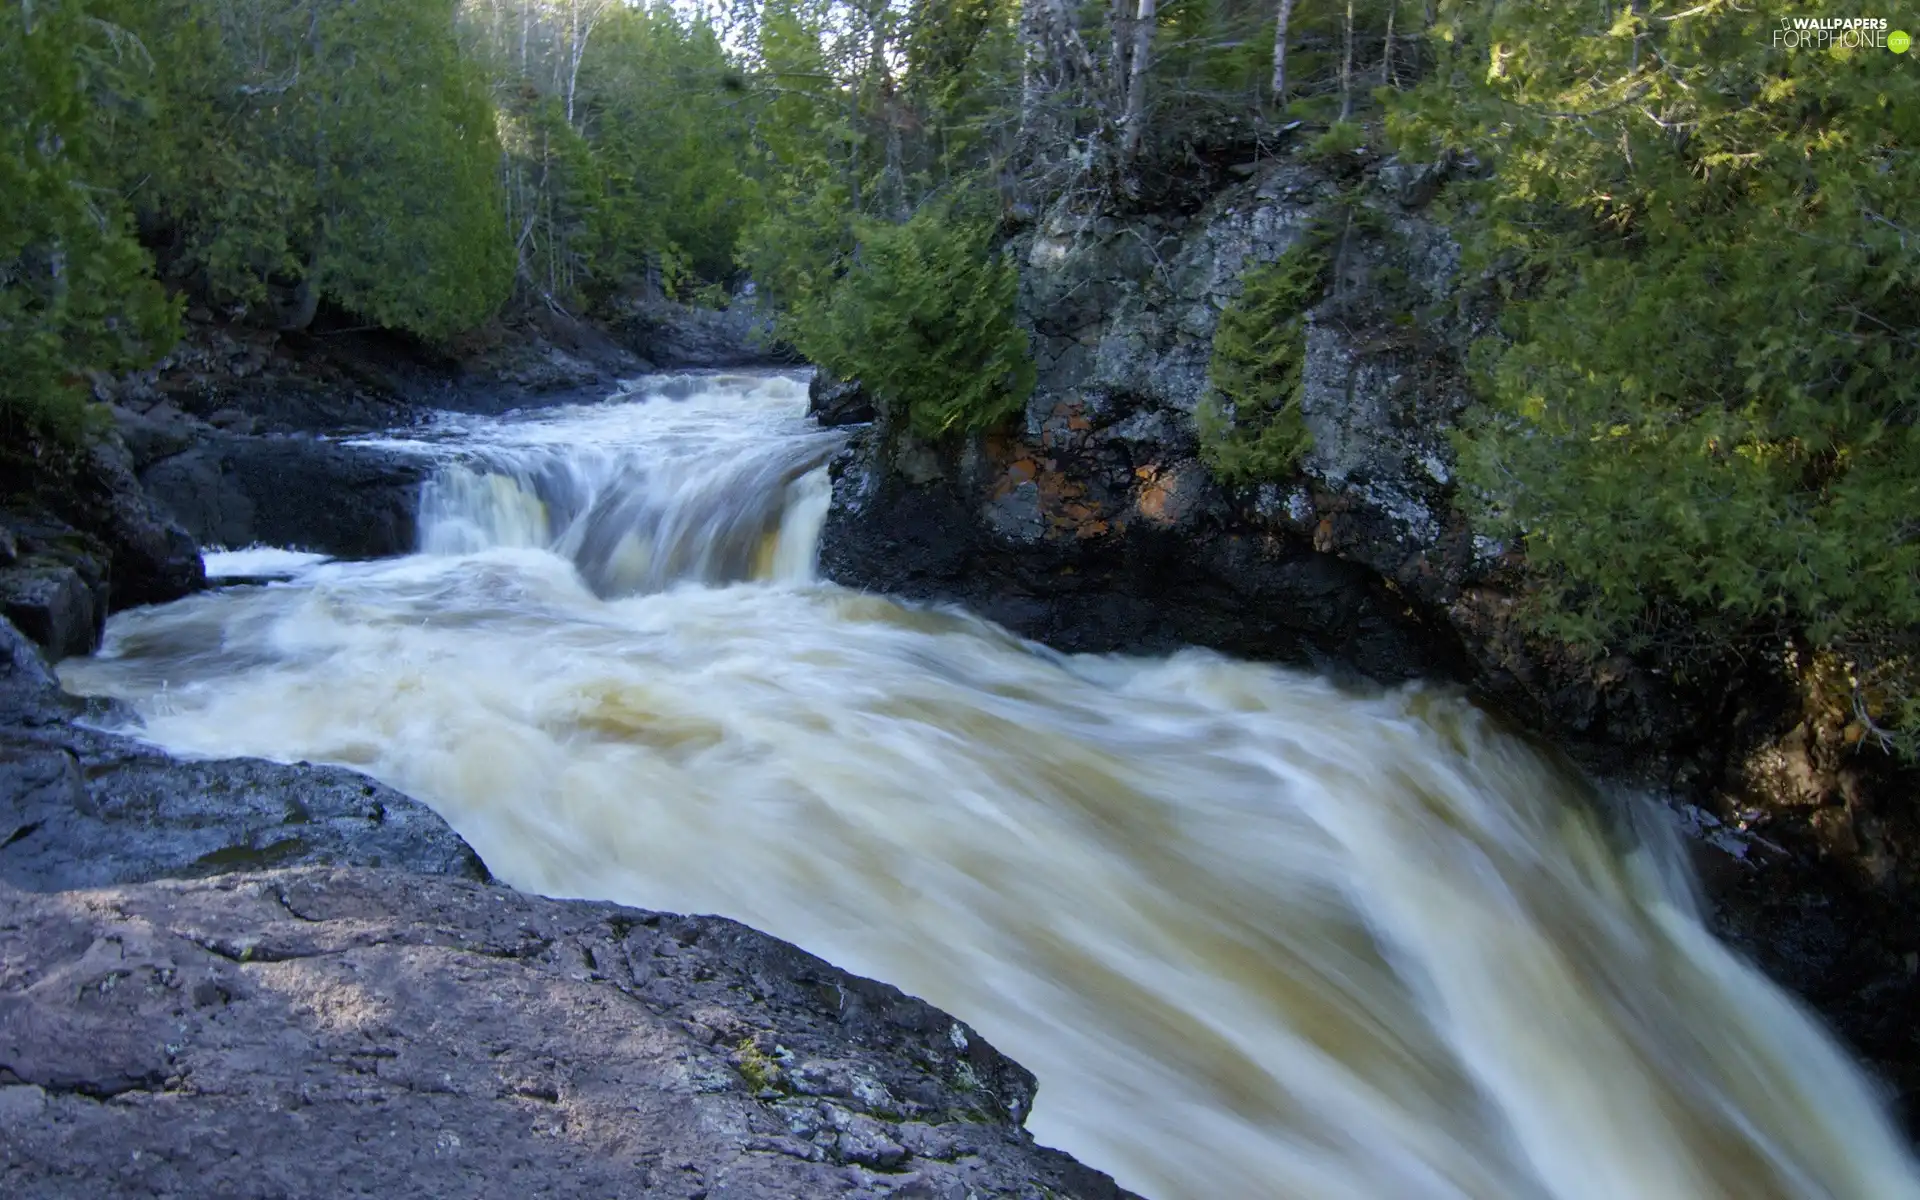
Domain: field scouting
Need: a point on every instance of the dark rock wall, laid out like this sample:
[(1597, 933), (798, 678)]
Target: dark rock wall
[(296, 492), (1097, 526), (79, 539)]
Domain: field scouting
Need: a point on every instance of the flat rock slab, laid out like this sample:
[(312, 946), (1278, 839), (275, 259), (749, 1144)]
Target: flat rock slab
[(334, 1032), (84, 808)]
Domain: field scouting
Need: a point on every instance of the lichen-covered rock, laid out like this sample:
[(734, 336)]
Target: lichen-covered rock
[(324, 1033)]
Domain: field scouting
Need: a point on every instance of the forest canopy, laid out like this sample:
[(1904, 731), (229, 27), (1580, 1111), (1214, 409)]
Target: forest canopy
[(1697, 403)]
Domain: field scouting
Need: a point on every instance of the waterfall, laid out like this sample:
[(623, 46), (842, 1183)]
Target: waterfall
[(1256, 933)]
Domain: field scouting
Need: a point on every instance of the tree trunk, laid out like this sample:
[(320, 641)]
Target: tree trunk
[(1386, 52), (1136, 118), (306, 296), (1346, 65), (1066, 29), (576, 50), (1118, 40), (1280, 52)]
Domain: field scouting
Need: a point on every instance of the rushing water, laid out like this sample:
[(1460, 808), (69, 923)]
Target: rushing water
[(1257, 935)]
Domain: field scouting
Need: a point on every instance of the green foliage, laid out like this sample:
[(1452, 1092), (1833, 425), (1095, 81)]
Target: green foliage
[(760, 1072), (923, 315), (1251, 427), (76, 290), (335, 151), (1703, 398), (1340, 140), (665, 120)]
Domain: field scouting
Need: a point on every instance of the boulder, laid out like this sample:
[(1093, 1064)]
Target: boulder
[(334, 1032), (54, 607), (835, 402), (151, 559), (79, 539), (302, 493), (679, 337)]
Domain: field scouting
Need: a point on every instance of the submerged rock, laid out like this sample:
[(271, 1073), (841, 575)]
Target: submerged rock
[(332, 1032)]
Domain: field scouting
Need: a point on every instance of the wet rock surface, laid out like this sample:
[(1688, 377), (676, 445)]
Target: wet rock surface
[(1053, 558), (54, 606), (331, 1032), (835, 402), (84, 808), (79, 539), (304, 493)]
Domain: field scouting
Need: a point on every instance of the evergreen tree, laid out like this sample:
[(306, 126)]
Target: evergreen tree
[(1702, 405), (76, 290), (343, 152)]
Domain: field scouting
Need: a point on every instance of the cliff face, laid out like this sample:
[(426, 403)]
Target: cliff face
[(1096, 526)]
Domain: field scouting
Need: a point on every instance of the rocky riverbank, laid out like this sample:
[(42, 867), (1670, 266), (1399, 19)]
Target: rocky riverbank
[(320, 1030), (325, 1032)]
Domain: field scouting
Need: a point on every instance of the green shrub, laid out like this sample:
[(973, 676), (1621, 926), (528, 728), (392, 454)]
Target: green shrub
[(1251, 427), (1340, 140), (923, 316)]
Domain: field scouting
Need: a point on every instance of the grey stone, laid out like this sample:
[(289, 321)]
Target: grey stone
[(678, 336), (304, 493), (53, 606), (835, 402), (346, 1032), (151, 559)]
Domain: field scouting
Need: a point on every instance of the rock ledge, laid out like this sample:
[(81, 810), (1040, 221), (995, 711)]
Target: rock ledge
[(332, 1032)]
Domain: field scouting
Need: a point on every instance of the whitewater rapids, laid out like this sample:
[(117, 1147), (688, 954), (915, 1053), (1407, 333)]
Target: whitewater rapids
[(1257, 935)]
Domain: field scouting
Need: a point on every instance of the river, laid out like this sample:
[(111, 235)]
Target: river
[(1258, 935)]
